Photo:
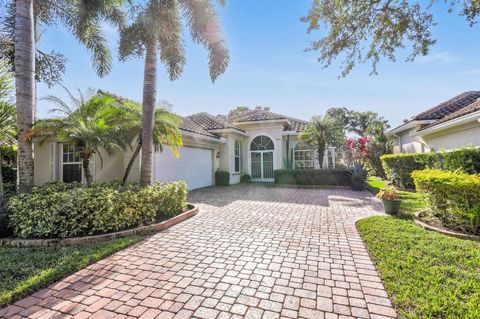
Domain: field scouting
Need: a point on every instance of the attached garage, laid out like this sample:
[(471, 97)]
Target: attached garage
[(194, 165)]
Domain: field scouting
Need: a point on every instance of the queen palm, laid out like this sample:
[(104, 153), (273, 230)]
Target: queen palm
[(90, 124), (8, 126), (83, 19), (156, 31)]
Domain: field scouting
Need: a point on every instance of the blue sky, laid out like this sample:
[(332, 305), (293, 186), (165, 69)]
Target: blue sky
[(269, 68)]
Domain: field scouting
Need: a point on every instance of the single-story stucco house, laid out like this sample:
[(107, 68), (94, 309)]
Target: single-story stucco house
[(252, 142), (450, 125)]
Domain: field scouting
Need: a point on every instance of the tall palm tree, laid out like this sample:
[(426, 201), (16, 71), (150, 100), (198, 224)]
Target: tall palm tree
[(8, 125), (165, 132), (90, 124), (156, 31), (83, 18)]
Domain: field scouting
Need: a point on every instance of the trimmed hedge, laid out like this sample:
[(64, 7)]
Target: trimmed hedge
[(222, 178), (324, 177), (453, 197), (399, 167), (68, 210), (245, 178)]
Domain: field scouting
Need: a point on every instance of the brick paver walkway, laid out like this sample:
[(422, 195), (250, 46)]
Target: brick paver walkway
[(254, 252)]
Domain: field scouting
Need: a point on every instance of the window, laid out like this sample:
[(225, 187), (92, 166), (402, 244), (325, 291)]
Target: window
[(303, 157), (261, 143), (71, 164), (238, 156)]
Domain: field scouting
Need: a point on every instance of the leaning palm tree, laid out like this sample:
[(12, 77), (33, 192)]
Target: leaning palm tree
[(90, 124), (83, 18), (156, 31)]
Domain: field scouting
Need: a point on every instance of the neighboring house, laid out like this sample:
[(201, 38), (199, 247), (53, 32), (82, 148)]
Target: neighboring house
[(447, 126), (253, 143)]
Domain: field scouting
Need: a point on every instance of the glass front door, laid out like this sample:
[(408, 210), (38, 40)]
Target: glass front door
[(262, 165)]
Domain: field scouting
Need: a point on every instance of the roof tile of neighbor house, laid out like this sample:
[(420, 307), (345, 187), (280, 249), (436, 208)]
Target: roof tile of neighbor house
[(451, 106), (471, 108), (203, 123)]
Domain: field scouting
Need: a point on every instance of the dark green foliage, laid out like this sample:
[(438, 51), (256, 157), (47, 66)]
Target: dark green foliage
[(453, 197), (324, 177), (245, 178), (399, 167), (222, 178), (66, 210), (9, 174), (427, 274), (26, 270)]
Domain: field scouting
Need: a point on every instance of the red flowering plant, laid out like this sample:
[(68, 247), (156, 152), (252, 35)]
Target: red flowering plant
[(356, 150)]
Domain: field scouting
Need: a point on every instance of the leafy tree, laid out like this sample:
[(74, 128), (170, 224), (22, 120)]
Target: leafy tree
[(8, 125), (365, 123), (369, 30), (156, 31), (342, 115), (83, 18), (238, 110), (321, 132), (90, 124)]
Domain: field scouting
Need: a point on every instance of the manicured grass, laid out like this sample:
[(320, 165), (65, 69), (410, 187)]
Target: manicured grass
[(25, 270), (412, 202), (427, 274)]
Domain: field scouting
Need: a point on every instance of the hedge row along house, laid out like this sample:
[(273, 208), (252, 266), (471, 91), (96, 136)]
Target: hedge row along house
[(253, 142), (450, 125)]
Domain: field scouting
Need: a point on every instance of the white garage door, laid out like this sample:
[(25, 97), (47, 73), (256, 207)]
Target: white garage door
[(194, 165)]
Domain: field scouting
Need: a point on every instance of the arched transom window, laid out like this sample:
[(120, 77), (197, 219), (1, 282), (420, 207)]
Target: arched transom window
[(261, 143), (303, 156)]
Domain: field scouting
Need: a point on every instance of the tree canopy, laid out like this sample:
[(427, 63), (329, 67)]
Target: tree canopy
[(371, 30)]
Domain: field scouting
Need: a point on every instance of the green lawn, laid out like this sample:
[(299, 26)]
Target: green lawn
[(427, 274), (25, 270)]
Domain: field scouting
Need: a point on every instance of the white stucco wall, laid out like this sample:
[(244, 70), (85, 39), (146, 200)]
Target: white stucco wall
[(461, 136), (405, 143)]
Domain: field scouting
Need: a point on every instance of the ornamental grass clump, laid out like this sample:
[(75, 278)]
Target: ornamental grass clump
[(453, 197)]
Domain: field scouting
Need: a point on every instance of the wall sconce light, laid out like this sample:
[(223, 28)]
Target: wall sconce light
[(218, 154)]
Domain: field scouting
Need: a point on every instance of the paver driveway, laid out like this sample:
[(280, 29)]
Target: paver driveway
[(253, 252)]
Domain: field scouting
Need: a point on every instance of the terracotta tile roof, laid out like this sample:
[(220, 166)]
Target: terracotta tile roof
[(262, 115), (471, 108), (191, 124), (451, 106)]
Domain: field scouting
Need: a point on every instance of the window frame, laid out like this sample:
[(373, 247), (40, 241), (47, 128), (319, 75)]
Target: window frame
[(63, 163), (239, 156), (304, 163)]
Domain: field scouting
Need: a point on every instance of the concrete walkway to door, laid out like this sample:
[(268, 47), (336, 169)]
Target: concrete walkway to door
[(253, 252)]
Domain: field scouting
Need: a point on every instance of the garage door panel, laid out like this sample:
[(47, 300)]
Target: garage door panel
[(194, 165)]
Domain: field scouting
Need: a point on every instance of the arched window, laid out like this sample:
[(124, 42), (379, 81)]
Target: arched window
[(303, 156), (261, 143)]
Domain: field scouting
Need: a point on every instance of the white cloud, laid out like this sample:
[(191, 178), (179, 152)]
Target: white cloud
[(439, 57), (470, 72)]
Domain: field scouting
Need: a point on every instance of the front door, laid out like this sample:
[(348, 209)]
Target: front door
[(262, 165)]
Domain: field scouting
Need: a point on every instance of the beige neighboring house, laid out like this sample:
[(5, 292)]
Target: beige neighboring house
[(450, 125), (253, 143)]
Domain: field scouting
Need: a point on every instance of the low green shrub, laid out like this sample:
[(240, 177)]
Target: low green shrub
[(222, 178), (67, 210), (399, 167), (245, 178), (322, 177), (453, 197)]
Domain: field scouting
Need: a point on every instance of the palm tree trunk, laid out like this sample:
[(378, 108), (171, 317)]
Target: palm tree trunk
[(25, 89), (130, 163), (86, 170), (321, 154), (148, 112)]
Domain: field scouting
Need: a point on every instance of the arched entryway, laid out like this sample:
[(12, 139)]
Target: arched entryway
[(261, 158)]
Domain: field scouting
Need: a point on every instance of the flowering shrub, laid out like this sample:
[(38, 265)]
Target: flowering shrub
[(67, 210), (356, 150)]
